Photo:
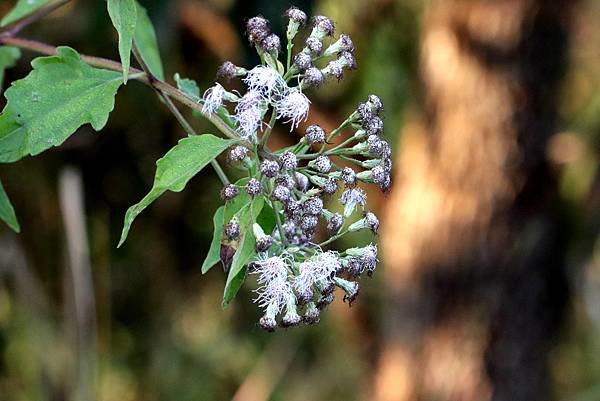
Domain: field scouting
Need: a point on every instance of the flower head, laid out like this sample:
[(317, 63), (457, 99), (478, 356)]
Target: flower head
[(213, 99), (265, 80), (294, 107), (352, 197)]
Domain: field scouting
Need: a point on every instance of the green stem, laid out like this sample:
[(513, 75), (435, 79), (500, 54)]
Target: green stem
[(334, 238), (16, 26), (177, 114)]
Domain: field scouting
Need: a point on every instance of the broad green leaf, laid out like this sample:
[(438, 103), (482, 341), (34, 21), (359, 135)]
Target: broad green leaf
[(214, 253), (245, 252), (176, 168), (188, 86), (146, 43), (22, 9), (123, 14), (266, 219), (61, 94), (7, 213), (8, 58)]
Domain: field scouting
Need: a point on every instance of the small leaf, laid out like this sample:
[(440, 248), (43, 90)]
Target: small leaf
[(176, 168), (123, 14), (46, 107), (188, 86), (146, 43), (8, 58), (7, 213), (22, 9), (213, 255), (245, 252)]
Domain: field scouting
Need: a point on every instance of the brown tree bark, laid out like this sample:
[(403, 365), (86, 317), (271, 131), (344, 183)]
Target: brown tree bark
[(473, 247)]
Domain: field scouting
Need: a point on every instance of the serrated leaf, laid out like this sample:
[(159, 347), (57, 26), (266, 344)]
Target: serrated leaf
[(8, 58), (176, 168), (214, 252), (22, 9), (146, 43), (123, 14), (7, 212), (61, 94), (245, 252), (188, 86)]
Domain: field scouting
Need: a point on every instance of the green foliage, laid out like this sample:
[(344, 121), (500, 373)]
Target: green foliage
[(188, 86), (146, 43), (123, 14), (214, 253), (8, 57), (7, 212), (61, 94), (22, 9), (246, 250), (176, 168)]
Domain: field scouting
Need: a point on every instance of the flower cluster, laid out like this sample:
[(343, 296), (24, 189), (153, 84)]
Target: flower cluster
[(314, 183)]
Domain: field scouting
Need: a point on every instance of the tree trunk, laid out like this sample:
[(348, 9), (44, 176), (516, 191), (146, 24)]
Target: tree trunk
[(474, 250)]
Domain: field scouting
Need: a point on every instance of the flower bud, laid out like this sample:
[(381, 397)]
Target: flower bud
[(288, 161), (313, 206), (330, 186), (311, 315), (335, 223), (322, 26), (253, 187), (257, 28), (309, 223), (281, 194), (343, 44), (322, 164), (325, 300), (267, 323), (229, 192), (228, 70), (376, 104), (269, 168), (351, 288), (291, 317), (264, 243), (232, 230), (373, 126), (286, 181), (313, 77), (297, 18), (334, 69), (271, 44), (238, 153), (302, 61), (315, 134), (349, 177), (314, 45)]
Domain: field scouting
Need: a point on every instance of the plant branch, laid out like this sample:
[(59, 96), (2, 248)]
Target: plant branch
[(17, 26), (176, 113), (171, 91)]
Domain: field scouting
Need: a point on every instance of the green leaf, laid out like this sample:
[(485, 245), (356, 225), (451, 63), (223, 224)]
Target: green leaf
[(123, 14), (61, 94), (188, 86), (146, 43), (176, 168), (266, 219), (7, 213), (233, 206), (214, 253), (8, 58), (245, 252), (22, 9)]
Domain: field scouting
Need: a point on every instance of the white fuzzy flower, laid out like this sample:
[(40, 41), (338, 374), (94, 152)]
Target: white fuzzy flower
[(275, 290), (249, 113), (213, 99), (294, 107), (265, 80), (319, 269), (352, 197)]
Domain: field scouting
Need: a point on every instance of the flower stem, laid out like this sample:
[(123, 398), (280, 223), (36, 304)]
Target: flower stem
[(177, 114)]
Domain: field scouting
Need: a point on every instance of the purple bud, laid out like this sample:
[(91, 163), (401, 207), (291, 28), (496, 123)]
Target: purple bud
[(313, 77), (322, 164), (296, 15), (267, 323), (227, 70), (238, 153), (232, 230), (257, 29), (309, 223), (301, 181), (349, 177), (264, 243), (315, 134), (313, 206), (271, 43), (330, 186), (229, 192), (372, 221), (302, 61), (323, 24), (269, 168), (253, 187), (335, 223), (288, 161), (281, 193)]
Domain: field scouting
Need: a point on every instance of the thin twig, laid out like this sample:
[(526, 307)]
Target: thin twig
[(17, 26), (177, 114)]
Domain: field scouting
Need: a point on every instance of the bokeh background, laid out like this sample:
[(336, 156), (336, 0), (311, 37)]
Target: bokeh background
[(489, 286)]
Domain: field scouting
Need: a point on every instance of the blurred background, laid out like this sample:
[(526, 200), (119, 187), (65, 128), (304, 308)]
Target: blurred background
[(489, 286)]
